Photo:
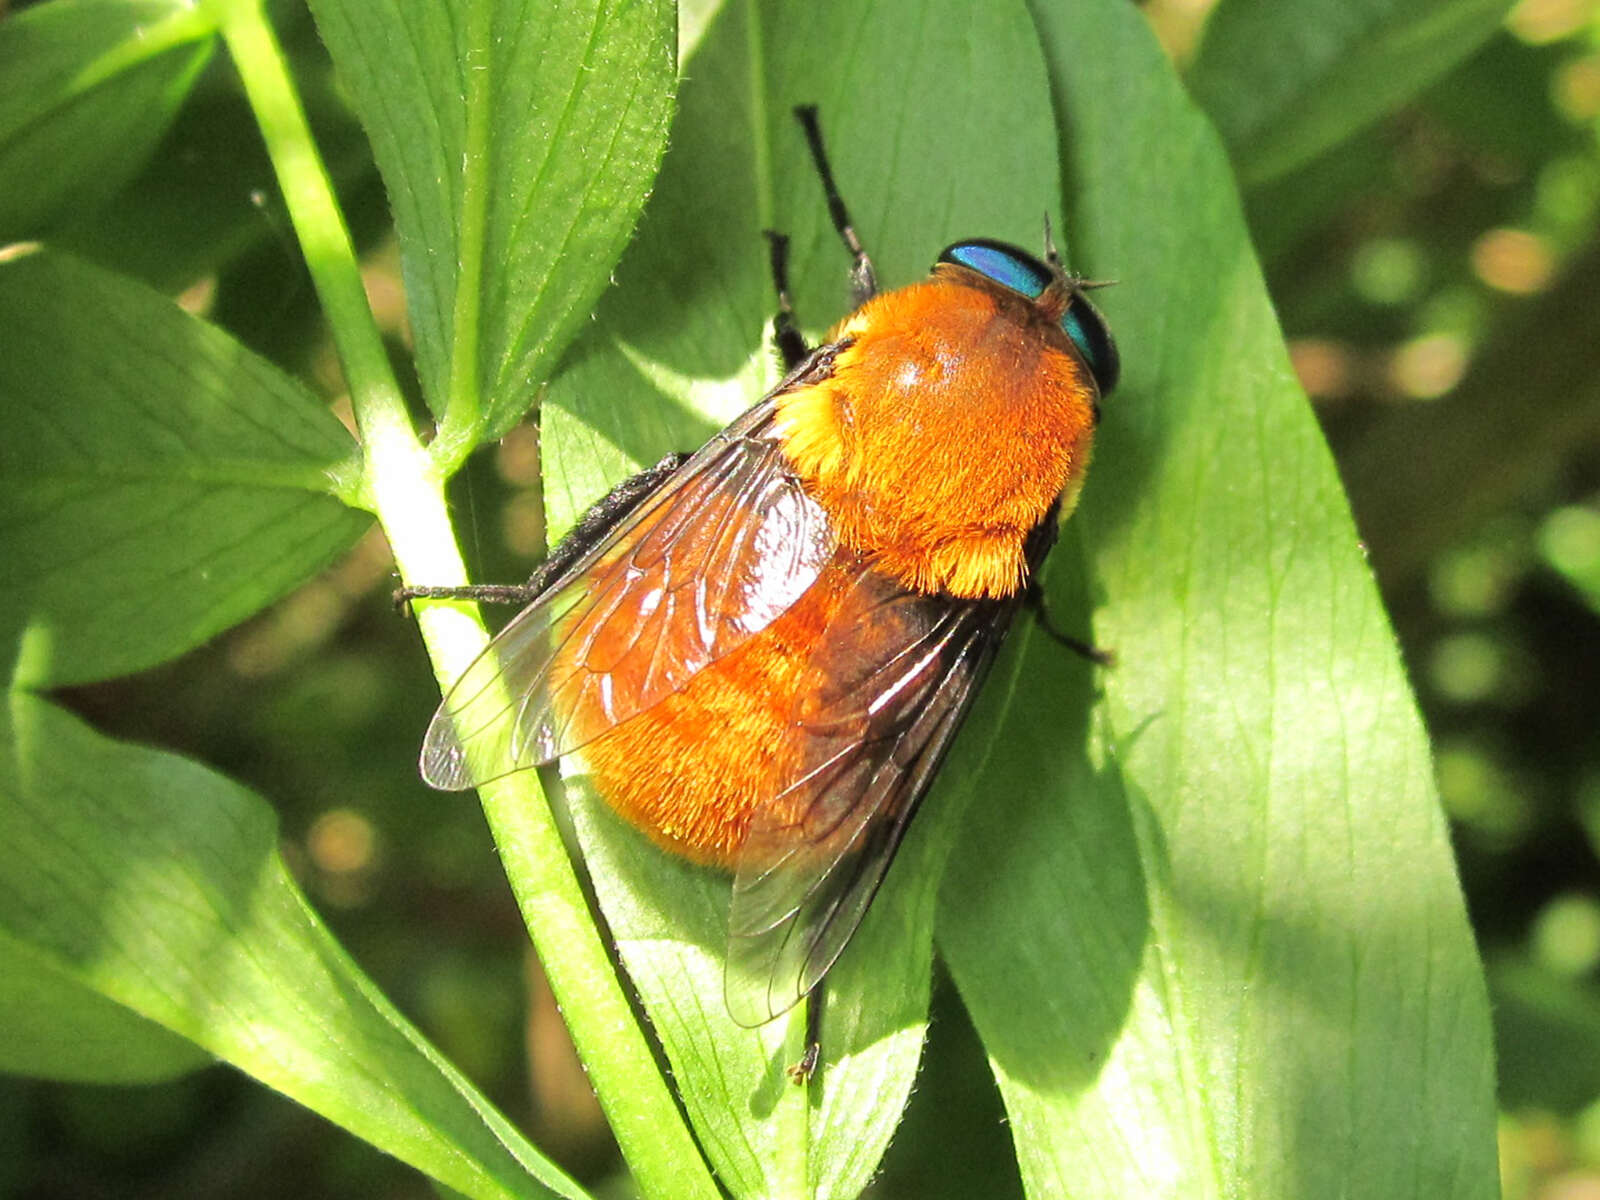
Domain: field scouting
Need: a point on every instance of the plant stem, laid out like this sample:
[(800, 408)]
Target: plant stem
[(318, 224), (402, 485)]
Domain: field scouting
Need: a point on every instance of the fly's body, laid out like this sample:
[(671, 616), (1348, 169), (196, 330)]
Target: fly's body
[(763, 650)]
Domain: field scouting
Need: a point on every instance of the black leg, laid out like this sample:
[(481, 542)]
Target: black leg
[(590, 530), (792, 348), (601, 518), (483, 593), (863, 279), (1095, 654), (801, 1073)]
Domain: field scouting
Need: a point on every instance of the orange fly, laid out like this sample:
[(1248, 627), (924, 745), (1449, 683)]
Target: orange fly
[(764, 649)]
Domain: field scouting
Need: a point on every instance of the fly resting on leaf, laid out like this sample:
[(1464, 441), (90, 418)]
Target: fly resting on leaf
[(764, 649)]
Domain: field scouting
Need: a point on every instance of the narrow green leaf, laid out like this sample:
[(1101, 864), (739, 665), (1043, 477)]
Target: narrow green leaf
[(1286, 79), (89, 87), (1224, 953), (925, 106), (155, 884), (146, 447), (518, 142)]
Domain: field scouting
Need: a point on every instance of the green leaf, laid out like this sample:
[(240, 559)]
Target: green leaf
[(90, 86), (1284, 81), (57, 1028), (154, 884), (925, 105), (205, 197), (1226, 953), (147, 448), (518, 143)]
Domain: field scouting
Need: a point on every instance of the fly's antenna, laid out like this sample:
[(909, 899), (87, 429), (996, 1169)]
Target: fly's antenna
[(863, 279), (1051, 254), (1053, 257), (1057, 298)]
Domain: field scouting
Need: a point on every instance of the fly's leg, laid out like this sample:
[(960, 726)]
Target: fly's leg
[(1099, 655), (800, 1073), (863, 279), (598, 521), (792, 348), (483, 593)]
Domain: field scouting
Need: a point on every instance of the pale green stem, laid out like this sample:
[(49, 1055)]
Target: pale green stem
[(402, 486)]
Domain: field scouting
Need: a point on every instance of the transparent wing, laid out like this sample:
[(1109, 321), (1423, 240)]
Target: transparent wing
[(890, 684), (725, 546)]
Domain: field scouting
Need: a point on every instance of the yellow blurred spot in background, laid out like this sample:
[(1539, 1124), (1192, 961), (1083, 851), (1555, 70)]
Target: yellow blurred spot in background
[(1540, 21), (1513, 260), (1425, 368)]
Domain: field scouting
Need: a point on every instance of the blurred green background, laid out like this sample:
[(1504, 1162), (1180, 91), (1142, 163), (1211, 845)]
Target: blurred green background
[(1438, 279)]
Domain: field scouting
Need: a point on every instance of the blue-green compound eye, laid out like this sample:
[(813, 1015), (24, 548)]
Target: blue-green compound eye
[(1027, 276), (1019, 271), (1087, 329)]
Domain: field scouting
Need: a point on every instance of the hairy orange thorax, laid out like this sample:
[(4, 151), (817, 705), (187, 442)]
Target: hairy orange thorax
[(954, 417)]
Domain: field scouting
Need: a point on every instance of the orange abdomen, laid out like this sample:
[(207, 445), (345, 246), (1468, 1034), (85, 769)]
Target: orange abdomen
[(692, 770)]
